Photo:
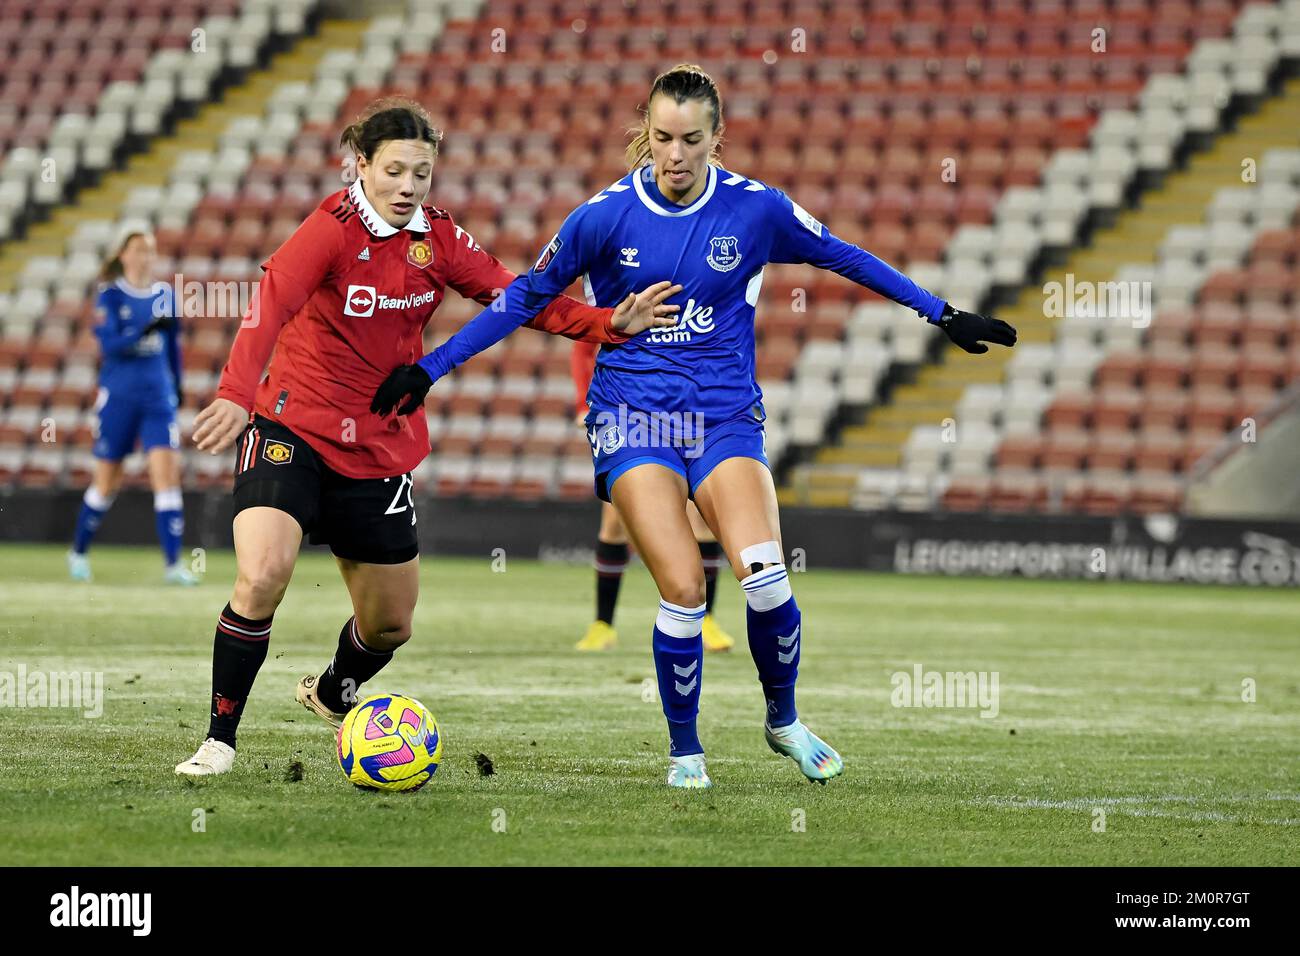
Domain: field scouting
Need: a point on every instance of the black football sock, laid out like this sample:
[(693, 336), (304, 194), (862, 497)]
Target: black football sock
[(611, 562), (237, 654), (711, 555), (354, 663)]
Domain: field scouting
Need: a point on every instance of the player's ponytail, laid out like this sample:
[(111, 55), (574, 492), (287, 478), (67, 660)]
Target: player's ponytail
[(111, 269), (392, 117), (686, 81)]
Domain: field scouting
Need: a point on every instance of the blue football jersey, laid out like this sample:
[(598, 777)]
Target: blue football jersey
[(145, 365), (629, 236)]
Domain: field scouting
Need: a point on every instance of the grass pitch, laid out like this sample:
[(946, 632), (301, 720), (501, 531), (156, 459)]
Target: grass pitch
[(1121, 736)]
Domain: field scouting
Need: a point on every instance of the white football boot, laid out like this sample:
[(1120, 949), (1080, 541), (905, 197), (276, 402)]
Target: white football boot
[(212, 757), (688, 772), (817, 759), (179, 574), (305, 694), (79, 567)]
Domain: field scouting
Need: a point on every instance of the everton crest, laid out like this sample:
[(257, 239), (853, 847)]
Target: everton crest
[(724, 253)]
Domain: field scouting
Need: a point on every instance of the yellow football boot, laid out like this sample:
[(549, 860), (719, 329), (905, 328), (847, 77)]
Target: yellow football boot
[(715, 638), (599, 637)]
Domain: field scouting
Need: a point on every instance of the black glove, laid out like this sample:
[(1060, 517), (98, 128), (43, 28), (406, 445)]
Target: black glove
[(404, 380), (968, 330), (164, 323)]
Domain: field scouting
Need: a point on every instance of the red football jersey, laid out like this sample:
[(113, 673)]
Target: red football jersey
[(582, 366), (344, 302)]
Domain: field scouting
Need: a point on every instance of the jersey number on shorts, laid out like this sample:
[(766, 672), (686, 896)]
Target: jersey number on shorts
[(405, 484)]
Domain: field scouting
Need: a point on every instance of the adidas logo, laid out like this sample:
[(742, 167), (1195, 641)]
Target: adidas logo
[(364, 255)]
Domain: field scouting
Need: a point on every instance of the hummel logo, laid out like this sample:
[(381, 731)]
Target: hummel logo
[(629, 258), (786, 641), (364, 255), (685, 689)]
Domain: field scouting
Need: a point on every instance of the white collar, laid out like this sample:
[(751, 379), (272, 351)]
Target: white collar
[(378, 226), (695, 206), (138, 291)]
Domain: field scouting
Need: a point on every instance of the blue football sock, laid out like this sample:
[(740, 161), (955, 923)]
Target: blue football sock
[(93, 508), (679, 659), (774, 625), (170, 522)]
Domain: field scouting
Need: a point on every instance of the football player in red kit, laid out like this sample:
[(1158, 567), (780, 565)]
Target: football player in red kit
[(342, 304)]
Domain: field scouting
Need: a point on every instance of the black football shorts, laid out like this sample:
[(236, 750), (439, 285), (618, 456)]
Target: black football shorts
[(371, 520)]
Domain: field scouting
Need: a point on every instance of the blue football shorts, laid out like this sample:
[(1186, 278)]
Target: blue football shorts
[(689, 445), (123, 418)]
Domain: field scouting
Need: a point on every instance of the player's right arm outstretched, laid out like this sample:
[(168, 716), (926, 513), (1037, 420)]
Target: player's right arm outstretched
[(565, 257), (477, 274)]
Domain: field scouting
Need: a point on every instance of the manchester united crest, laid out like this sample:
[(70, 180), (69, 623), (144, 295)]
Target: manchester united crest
[(278, 452), (419, 254)]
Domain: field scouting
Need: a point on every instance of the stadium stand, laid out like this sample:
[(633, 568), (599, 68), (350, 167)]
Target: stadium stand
[(1042, 132), (1111, 415)]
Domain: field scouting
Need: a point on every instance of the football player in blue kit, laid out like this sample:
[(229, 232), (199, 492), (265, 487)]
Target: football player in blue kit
[(676, 413), (139, 393)]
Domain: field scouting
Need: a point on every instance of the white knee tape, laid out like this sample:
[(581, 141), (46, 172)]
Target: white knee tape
[(769, 552), (768, 588), (97, 501)]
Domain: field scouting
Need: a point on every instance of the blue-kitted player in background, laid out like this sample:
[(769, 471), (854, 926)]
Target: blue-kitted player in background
[(677, 414), (139, 393)]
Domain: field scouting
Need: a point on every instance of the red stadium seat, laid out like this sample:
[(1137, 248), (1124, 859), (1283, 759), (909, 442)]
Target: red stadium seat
[(1017, 492), (1066, 448), (1251, 402), (1213, 369), (1119, 370), (967, 493), (1166, 368), (1226, 286), (1265, 328), (1262, 371), (1211, 409), (1159, 450), (1068, 410), (1217, 326), (1020, 452), (1116, 408), (1162, 408), (1107, 493), (1111, 450), (1171, 327), (1155, 494)]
